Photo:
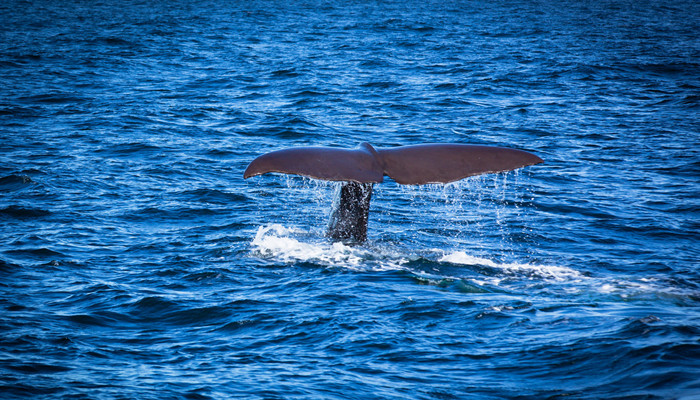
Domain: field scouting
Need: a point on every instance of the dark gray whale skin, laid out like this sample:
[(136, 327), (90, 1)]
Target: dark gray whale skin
[(349, 218), (365, 165)]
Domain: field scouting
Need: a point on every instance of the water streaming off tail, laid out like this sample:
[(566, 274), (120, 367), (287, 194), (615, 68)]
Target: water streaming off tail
[(487, 214)]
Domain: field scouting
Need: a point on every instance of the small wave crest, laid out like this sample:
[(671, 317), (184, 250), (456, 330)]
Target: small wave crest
[(290, 245), (14, 182), (530, 270), (22, 212)]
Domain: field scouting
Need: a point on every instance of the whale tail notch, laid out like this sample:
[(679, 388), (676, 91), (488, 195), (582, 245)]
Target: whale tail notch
[(408, 165)]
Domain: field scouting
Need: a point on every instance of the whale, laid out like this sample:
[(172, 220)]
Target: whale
[(362, 167)]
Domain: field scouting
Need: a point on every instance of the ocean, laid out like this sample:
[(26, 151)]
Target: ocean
[(137, 263)]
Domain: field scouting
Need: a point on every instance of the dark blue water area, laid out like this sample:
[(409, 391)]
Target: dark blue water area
[(137, 263)]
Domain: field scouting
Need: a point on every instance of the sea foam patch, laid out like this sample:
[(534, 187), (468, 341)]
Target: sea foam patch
[(289, 245), (569, 280), (532, 270)]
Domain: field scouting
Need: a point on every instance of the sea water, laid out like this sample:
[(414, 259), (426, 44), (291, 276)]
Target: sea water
[(137, 263)]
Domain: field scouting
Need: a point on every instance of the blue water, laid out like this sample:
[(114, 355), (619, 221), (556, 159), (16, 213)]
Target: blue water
[(136, 263)]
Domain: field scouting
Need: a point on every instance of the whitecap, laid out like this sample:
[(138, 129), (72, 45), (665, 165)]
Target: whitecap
[(293, 245), (290, 245), (531, 270)]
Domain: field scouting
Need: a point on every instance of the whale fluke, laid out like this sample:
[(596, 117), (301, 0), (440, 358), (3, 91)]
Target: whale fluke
[(408, 165), (365, 165), (327, 163), (444, 163)]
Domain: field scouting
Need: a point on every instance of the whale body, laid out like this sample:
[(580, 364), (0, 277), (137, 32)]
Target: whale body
[(364, 166)]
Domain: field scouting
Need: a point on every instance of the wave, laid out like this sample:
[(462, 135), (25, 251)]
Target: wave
[(14, 182), (204, 195), (52, 98), (280, 243), (21, 212), (459, 270), (292, 245), (521, 269)]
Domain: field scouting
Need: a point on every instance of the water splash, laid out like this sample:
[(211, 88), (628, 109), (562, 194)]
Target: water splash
[(289, 245), (435, 266)]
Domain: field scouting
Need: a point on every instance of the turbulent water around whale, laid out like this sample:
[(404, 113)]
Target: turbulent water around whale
[(136, 262)]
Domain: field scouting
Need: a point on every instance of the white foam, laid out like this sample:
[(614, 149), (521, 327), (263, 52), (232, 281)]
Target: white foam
[(278, 242), (630, 287), (531, 270), (290, 245), (568, 279)]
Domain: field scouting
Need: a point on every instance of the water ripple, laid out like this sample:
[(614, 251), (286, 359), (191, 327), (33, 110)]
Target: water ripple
[(134, 255)]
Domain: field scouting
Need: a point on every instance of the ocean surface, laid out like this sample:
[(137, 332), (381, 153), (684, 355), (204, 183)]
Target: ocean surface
[(137, 263)]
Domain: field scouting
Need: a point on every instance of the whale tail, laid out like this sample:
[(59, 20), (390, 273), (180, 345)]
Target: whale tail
[(348, 221), (408, 165), (365, 165)]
